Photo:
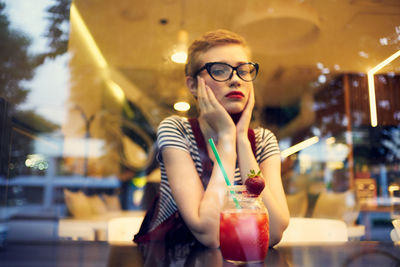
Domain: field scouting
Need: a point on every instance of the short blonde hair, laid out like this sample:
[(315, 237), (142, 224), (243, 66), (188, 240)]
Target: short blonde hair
[(207, 41)]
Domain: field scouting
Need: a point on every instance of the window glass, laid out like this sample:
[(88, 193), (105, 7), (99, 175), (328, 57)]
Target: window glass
[(85, 83)]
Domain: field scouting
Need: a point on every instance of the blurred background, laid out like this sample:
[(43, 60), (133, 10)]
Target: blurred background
[(85, 83)]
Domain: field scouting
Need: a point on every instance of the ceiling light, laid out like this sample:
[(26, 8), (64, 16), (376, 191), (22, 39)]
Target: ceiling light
[(179, 57), (181, 106), (116, 90), (79, 24), (325, 71), (321, 78), (180, 52), (330, 141), (83, 32), (300, 146), (371, 86), (363, 54)]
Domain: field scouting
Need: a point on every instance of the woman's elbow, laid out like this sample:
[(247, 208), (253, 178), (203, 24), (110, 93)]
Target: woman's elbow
[(276, 237), (285, 223), (274, 241), (207, 236), (209, 241), (212, 244)]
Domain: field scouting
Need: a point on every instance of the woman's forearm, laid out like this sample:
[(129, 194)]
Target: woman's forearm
[(209, 210), (274, 198), (278, 215), (246, 157), (212, 201)]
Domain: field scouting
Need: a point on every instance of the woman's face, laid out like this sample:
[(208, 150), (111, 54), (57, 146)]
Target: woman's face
[(233, 94)]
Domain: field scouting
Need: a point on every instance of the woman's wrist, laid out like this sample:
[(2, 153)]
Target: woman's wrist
[(229, 131), (226, 138), (227, 144), (242, 140)]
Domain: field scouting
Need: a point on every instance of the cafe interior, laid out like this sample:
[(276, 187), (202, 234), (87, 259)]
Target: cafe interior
[(84, 85)]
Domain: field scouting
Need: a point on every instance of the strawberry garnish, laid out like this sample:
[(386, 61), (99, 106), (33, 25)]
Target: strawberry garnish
[(254, 183)]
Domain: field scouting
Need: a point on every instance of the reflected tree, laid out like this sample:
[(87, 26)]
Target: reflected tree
[(57, 30), (16, 64)]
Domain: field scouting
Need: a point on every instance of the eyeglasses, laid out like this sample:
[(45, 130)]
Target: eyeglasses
[(222, 72)]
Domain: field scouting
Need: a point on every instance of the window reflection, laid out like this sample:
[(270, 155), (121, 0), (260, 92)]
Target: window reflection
[(79, 110)]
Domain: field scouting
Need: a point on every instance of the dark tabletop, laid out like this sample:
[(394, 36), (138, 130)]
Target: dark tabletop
[(80, 253)]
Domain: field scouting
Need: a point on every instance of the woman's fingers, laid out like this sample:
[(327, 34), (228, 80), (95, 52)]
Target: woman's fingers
[(245, 119), (212, 99), (211, 109), (201, 94), (250, 103), (206, 97)]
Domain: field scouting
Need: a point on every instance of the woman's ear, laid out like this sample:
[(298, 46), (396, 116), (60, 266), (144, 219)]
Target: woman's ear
[(191, 83)]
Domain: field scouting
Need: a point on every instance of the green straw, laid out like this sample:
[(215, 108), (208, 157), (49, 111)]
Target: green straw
[(228, 183)]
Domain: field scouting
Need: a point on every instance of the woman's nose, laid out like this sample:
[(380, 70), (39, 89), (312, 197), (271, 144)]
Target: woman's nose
[(235, 76)]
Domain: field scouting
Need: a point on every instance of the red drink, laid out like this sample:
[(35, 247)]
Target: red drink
[(244, 235)]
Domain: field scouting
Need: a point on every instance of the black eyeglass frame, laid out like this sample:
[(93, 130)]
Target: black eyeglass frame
[(208, 66)]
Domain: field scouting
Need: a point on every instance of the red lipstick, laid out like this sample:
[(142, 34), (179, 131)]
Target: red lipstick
[(235, 94)]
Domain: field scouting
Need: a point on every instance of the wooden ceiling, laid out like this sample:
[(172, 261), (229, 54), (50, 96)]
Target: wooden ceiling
[(293, 41)]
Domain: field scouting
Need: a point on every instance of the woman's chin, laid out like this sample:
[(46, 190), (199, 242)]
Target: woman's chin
[(234, 108)]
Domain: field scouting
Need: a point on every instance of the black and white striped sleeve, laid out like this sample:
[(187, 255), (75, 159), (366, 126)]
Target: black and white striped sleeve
[(267, 144), (172, 133)]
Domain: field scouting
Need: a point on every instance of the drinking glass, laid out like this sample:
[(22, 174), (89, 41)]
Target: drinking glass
[(244, 227)]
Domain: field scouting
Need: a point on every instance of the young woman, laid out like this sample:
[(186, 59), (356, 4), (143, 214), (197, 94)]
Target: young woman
[(220, 76)]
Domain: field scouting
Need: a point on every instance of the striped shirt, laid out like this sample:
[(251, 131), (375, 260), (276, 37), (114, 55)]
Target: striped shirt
[(176, 132)]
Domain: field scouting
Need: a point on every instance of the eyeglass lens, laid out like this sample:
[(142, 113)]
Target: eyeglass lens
[(223, 72)]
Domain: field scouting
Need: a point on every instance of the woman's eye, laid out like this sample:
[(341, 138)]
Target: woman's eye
[(219, 72), (243, 72)]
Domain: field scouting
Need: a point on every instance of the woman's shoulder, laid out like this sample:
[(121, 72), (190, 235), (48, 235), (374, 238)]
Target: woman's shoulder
[(263, 132), (267, 143), (175, 131), (175, 122), (175, 118), (265, 136)]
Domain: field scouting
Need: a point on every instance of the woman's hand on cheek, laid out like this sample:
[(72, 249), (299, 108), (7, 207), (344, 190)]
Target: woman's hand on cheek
[(244, 122), (211, 111)]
